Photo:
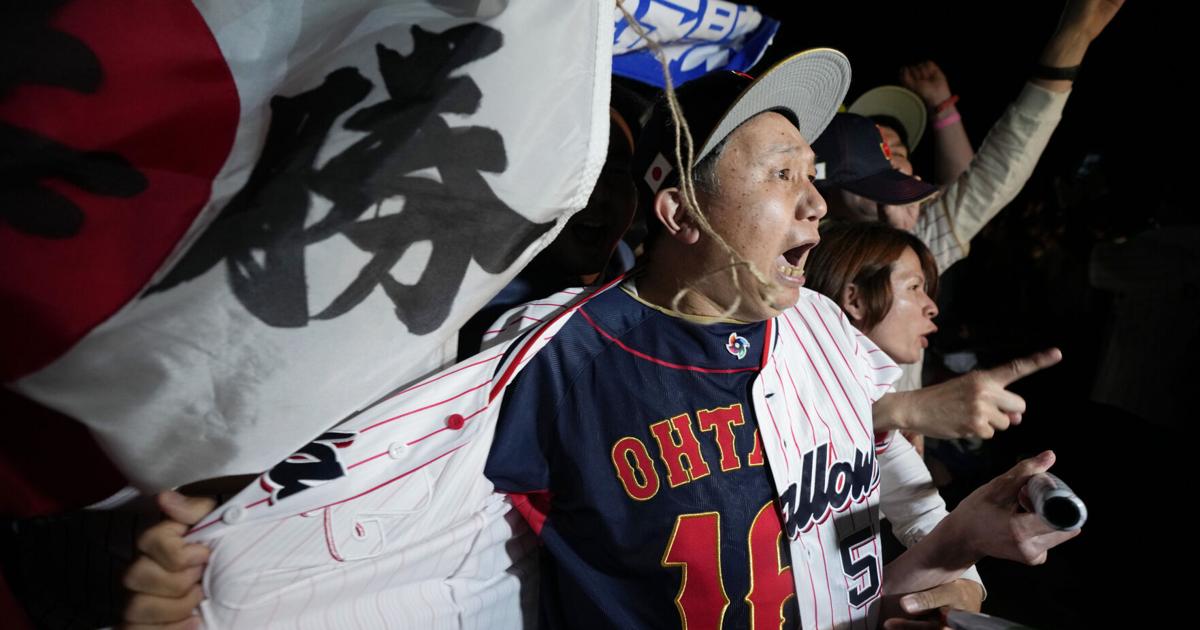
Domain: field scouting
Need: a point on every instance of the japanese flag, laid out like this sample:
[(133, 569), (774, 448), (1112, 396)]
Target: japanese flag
[(230, 225)]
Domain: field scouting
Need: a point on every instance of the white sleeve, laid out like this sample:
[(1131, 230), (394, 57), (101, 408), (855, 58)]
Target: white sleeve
[(908, 498), (999, 170), (387, 516), (518, 319)]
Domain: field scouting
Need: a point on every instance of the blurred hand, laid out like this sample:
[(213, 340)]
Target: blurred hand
[(928, 81), (165, 580)]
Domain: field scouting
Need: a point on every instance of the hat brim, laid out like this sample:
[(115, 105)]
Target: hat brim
[(900, 103), (808, 86), (891, 187)]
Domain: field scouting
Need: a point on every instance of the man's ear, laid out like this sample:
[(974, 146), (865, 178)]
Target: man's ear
[(853, 303), (669, 210)]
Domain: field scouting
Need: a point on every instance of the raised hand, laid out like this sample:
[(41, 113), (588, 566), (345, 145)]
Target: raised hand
[(928, 81)]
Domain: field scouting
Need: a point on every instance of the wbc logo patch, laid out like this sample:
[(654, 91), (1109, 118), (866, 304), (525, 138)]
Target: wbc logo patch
[(738, 346)]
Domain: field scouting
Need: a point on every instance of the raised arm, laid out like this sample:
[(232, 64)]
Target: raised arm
[(1081, 22), (952, 148), (1006, 158)]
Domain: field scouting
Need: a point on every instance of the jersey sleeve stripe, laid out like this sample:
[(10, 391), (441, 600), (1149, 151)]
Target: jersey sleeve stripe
[(537, 336), (433, 433), (426, 407), (444, 375)]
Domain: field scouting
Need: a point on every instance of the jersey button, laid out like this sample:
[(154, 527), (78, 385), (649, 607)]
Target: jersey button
[(455, 421), (396, 450), (233, 515)]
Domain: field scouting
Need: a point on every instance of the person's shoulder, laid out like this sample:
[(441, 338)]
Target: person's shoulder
[(813, 304), (820, 300), (817, 312), (573, 336)]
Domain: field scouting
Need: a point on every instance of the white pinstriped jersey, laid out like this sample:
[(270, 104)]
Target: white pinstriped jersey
[(388, 521)]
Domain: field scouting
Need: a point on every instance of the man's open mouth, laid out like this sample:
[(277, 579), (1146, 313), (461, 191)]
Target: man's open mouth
[(791, 262)]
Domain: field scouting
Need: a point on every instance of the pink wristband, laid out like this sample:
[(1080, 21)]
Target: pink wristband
[(942, 123)]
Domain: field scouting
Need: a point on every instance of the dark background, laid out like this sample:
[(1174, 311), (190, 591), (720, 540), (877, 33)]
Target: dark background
[(1025, 285)]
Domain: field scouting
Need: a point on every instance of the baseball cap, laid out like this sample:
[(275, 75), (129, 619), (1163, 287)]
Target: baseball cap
[(900, 103), (806, 88), (852, 155)]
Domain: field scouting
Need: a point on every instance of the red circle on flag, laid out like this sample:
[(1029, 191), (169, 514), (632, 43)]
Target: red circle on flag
[(656, 173), (167, 104)]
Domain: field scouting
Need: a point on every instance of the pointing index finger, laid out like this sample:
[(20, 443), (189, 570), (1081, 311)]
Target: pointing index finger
[(1020, 368)]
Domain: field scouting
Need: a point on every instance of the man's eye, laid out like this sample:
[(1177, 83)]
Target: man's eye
[(784, 173)]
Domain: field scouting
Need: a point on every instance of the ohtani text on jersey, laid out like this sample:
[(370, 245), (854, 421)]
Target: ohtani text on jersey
[(827, 486)]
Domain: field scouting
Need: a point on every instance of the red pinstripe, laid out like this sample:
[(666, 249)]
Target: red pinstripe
[(369, 459), (389, 481), (791, 421), (537, 336), (843, 355), (834, 373), (444, 375), (828, 431), (825, 564), (812, 589), (427, 436), (829, 511), (429, 406), (814, 367), (365, 492), (787, 464), (513, 323)]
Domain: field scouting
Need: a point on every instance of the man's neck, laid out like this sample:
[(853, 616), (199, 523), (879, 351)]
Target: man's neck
[(667, 274)]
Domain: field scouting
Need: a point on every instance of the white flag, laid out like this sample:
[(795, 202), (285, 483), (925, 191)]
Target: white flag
[(261, 217)]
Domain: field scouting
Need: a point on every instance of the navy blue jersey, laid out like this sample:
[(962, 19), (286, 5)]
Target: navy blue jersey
[(638, 428)]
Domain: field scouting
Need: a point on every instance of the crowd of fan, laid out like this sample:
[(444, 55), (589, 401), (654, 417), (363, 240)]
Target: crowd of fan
[(888, 234)]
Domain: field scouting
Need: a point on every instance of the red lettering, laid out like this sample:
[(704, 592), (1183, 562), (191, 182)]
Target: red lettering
[(630, 469), (721, 422), (755, 458), (675, 452)]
